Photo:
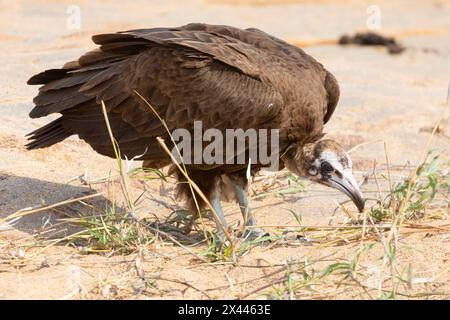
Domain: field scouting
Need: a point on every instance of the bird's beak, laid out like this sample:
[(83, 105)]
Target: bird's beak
[(348, 185)]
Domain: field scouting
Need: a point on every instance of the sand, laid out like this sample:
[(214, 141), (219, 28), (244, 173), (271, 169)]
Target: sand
[(390, 98)]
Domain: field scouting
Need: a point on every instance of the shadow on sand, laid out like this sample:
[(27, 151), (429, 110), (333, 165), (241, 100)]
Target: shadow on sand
[(17, 193)]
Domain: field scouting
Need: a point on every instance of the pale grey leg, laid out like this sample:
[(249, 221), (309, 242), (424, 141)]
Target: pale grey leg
[(249, 218), (215, 203), (247, 214)]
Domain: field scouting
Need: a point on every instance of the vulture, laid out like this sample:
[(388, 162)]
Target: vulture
[(223, 76)]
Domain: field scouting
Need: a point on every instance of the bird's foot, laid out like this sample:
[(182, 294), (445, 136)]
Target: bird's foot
[(254, 233), (249, 234)]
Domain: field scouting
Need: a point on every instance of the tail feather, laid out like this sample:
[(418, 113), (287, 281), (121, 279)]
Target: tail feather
[(47, 76), (48, 135), (46, 129)]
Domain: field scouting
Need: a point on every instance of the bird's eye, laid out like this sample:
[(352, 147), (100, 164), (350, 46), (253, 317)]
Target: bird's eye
[(326, 167), (313, 171)]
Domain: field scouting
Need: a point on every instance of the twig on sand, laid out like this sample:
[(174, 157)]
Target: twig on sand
[(168, 236), (183, 283), (270, 284)]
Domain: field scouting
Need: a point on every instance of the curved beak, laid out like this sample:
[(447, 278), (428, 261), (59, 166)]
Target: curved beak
[(349, 186)]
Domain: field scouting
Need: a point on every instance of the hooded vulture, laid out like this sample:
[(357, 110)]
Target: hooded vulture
[(225, 77)]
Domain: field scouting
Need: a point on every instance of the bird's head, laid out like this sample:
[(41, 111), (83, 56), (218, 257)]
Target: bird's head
[(325, 162)]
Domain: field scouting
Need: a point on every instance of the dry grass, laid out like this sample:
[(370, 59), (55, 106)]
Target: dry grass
[(409, 201), (378, 241)]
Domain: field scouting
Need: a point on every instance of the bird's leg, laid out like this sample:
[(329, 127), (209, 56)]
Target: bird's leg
[(220, 219), (247, 214)]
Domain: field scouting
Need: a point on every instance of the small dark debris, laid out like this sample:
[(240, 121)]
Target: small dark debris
[(431, 50), (372, 39)]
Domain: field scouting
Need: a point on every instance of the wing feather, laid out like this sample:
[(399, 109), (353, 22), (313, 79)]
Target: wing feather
[(215, 74)]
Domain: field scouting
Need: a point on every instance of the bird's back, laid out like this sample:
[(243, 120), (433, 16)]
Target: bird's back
[(224, 76)]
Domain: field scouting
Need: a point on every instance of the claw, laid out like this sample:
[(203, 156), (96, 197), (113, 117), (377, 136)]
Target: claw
[(254, 233)]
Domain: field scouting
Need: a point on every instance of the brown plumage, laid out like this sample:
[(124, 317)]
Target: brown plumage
[(223, 76)]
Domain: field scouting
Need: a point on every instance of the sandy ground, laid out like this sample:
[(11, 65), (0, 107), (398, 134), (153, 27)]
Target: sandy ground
[(390, 98)]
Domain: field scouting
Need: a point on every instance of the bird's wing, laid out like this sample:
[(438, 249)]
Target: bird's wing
[(185, 76), (228, 50), (333, 92), (262, 40)]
